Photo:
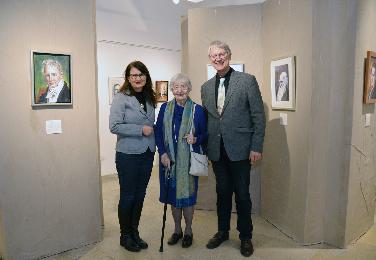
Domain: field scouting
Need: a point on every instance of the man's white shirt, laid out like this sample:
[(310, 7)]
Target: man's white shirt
[(53, 93)]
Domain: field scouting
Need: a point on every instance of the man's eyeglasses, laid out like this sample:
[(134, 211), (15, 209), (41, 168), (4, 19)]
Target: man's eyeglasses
[(136, 76), (218, 55)]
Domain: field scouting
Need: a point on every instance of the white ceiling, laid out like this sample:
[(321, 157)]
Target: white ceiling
[(159, 8), (148, 22)]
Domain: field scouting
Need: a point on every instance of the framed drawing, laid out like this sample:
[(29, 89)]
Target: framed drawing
[(236, 66), (282, 83), (161, 90), (51, 79), (369, 95), (114, 84)]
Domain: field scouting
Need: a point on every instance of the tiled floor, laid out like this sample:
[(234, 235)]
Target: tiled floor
[(269, 243)]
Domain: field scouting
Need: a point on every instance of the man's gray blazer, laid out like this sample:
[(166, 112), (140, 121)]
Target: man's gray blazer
[(242, 123), (126, 121)]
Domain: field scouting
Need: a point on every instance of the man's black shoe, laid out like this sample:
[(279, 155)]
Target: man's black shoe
[(139, 241), (128, 243), (246, 248), (218, 238)]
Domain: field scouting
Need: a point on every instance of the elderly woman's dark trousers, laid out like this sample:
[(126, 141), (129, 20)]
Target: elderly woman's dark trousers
[(134, 172), (233, 177)]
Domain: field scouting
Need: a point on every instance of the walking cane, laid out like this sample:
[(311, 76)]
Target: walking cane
[(165, 207)]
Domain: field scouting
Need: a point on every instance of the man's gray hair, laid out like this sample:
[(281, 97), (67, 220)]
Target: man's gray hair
[(220, 45), (52, 63), (182, 79)]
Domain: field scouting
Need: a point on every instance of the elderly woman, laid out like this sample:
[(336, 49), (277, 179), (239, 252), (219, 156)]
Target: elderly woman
[(132, 119), (176, 120)]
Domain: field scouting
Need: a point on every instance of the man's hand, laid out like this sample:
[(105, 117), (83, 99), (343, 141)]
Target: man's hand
[(147, 130), (254, 157), (165, 160)]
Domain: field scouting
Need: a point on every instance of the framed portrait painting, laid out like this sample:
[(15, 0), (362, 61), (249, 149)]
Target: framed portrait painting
[(161, 90), (369, 95), (51, 79), (282, 83), (114, 85)]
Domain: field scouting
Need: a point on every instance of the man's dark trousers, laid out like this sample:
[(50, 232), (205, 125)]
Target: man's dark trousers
[(233, 176)]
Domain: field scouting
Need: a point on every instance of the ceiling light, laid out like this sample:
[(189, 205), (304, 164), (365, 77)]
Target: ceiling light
[(193, 1)]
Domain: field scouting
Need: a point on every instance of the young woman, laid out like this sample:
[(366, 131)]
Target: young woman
[(131, 119)]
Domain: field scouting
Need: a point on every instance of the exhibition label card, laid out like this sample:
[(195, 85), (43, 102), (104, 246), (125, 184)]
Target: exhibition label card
[(53, 127)]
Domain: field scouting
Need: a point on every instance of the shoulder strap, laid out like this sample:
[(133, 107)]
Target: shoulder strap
[(193, 118)]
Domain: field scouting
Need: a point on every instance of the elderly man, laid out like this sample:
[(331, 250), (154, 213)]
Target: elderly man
[(283, 87), (57, 90), (236, 128)]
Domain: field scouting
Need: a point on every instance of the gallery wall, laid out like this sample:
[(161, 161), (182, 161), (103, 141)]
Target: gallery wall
[(287, 31), (2, 235), (322, 36), (362, 180), (331, 113), (50, 193), (318, 171)]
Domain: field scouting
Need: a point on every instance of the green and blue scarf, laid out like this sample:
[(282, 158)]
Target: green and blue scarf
[(180, 168)]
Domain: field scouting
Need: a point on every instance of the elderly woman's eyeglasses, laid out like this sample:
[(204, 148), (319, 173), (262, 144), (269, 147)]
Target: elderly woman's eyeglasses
[(137, 76), (177, 87)]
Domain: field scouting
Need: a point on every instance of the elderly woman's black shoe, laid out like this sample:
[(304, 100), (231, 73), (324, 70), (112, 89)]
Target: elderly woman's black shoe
[(174, 239), (187, 241)]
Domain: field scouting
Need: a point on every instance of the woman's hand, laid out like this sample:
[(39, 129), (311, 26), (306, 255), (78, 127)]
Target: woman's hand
[(166, 160), (190, 138), (147, 130)]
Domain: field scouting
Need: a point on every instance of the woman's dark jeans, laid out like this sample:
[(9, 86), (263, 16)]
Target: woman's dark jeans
[(134, 172)]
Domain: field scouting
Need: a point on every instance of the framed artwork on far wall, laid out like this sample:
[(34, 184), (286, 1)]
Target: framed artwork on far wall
[(282, 83), (51, 79), (369, 95), (114, 84), (161, 90)]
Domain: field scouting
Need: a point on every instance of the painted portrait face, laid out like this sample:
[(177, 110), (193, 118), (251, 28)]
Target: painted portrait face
[(283, 79), (220, 59), (163, 89), (137, 79), (373, 75), (180, 91), (52, 75)]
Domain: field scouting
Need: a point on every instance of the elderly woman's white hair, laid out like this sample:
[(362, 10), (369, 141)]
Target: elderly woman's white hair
[(182, 79)]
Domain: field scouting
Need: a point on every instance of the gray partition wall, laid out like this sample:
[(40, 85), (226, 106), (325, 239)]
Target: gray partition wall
[(318, 171), (50, 193)]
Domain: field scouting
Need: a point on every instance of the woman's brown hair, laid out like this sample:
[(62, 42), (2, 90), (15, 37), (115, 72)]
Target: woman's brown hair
[(147, 90)]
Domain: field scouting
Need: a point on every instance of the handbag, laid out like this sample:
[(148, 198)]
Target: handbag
[(199, 161)]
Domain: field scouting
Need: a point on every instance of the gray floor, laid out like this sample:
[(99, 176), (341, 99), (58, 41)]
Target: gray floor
[(269, 242)]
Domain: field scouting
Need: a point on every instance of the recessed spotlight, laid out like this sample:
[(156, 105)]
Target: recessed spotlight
[(176, 1)]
